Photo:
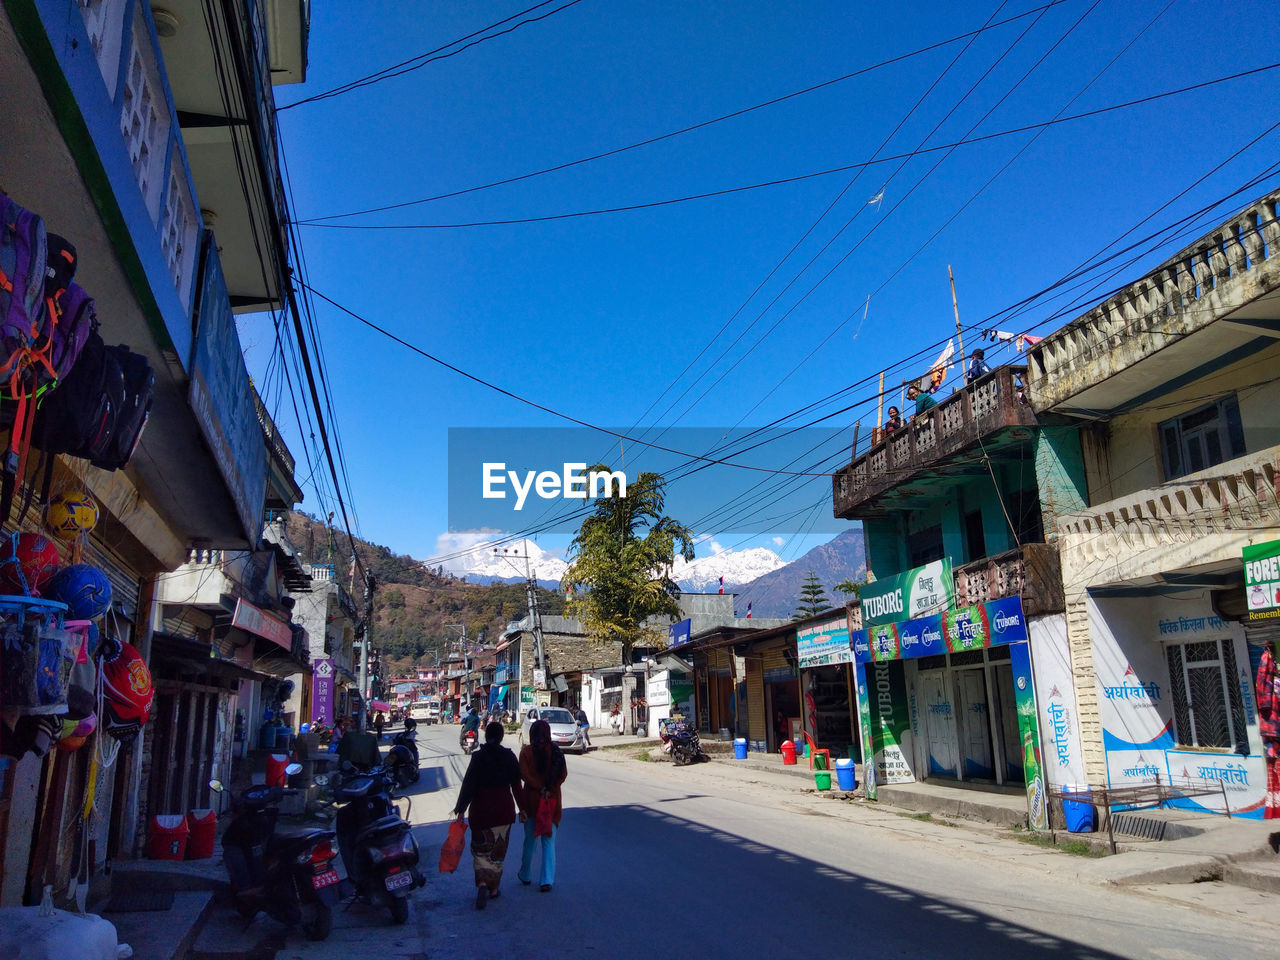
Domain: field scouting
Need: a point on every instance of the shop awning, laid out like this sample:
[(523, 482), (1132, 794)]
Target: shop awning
[(497, 692), (380, 705)]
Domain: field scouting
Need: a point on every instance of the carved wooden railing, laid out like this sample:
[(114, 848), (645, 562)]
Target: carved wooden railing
[(991, 403), (1032, 570)]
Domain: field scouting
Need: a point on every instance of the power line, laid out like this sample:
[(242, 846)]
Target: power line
[(798, 178)]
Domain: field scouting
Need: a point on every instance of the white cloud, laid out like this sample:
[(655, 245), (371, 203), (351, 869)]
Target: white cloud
[(716, 548), (779, 541), (472, 545)]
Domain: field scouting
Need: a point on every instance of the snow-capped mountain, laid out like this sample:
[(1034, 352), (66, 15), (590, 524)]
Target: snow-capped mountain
[(487, 562), (703, 574)]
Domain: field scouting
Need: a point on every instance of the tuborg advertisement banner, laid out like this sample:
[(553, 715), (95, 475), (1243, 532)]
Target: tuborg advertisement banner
[(906, 596)]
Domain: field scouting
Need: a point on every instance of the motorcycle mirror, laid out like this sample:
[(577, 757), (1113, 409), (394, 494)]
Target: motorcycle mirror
[(293, 769), (215, 786)]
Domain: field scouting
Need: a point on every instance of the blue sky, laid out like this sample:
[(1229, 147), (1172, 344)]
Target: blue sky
[(595, 316)]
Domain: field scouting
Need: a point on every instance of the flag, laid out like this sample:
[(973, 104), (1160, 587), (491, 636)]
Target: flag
[(748, 609), (722, 584), (938, 372), (1027, 340)]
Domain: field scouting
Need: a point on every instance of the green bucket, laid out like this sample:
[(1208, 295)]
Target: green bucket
[(820, 761), (823, 779)]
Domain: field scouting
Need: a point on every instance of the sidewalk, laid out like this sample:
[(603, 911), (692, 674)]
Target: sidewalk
[(1196, 847)]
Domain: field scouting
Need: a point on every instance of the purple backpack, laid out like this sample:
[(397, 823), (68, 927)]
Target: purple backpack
[(76, 315), (23, 263)]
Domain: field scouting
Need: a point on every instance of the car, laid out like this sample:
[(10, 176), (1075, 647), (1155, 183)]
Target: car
[(425, 711), (565, 732)]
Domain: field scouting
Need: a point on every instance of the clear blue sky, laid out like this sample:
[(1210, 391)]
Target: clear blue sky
[(596, 315)]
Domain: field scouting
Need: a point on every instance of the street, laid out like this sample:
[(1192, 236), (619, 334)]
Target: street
[(655, 861)]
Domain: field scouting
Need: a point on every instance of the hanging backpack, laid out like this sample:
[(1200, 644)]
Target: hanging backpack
[(78, 418), (133, 411)]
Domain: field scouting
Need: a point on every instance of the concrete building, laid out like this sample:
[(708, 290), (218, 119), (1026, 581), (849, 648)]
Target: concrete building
[(149, 145), (1171, 386), (332, 621)]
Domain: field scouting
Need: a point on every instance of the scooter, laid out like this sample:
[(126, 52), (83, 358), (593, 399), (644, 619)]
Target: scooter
[(402, 758), (468, 742), (377, 844), (680, 739), (290, 878)]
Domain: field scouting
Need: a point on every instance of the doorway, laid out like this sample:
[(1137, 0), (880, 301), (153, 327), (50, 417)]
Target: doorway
[(975, 723), (939, 723)]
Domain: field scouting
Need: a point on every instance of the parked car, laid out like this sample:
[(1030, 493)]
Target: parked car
[(565, 732)]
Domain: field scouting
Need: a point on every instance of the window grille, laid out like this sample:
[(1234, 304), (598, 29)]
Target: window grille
[(1208, 710)]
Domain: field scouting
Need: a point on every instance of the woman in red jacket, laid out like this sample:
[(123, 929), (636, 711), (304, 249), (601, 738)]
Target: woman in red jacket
[(543, 768)]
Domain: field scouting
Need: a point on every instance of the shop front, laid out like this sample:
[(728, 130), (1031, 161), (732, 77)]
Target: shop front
[(951, 696), (829, 710)]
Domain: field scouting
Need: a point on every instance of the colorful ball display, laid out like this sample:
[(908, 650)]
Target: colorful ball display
[(71, 513), (28, 561), (76, 731), (84, 589)]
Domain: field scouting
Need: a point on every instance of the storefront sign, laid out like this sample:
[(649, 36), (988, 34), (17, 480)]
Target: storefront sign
[(991, 624), (890, 722), (679, 633), (526, 700), (322, 692), (1055, 692), (864, 726), (250, 618), (1262, 580), (1242, 779), (906, 596), (1029, 733), (824, 643)]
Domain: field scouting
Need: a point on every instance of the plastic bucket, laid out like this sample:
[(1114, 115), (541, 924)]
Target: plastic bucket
[(788, 753), (276, 776), (1081, 816), (801, 747), (202, 825), (167, 838), (740, 748), (823, 779), (820, 761), (846, 775)]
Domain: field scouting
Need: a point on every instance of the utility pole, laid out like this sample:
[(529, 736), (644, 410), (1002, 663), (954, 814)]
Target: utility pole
[(531, 597), (959, 336), (370, 586)]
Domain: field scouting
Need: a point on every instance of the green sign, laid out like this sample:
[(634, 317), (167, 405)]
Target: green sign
[(1262, 580), (906, 596), (890, 724)]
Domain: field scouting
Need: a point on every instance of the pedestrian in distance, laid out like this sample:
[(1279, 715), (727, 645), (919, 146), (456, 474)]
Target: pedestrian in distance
[(584, 725), (379, 721), (977, 366), (470, 722), (543, 770), (923, 401), (894, 420), (491, 790)]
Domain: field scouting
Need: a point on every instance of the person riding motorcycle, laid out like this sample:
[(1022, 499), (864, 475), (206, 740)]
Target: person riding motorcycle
[(470, 723)]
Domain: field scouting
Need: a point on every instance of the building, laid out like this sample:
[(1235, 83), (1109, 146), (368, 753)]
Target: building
[(149, 145), (332, 621), (955, 507), (1171, 387)]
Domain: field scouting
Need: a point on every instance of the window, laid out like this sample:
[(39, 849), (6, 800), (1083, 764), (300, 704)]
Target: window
[(925, 546), (1201, 438), (1207, 708), (975, 540)]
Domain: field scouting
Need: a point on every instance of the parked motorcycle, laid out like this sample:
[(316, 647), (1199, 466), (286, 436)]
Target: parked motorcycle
[(468, 742), (680, 740), (290, 878), (376, 843), (402, 758)]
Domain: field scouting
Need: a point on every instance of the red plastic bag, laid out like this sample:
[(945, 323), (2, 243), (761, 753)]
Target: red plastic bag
[(451, 852), (543, 823)]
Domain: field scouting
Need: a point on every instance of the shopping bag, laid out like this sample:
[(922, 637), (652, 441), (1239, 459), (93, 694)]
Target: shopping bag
[(543, 823), (451, 852)]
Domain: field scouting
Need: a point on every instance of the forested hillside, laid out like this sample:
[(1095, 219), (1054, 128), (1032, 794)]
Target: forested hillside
[(412, 604)]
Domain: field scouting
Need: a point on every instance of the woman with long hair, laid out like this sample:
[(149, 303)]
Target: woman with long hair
[(543, 769), (491, 788)]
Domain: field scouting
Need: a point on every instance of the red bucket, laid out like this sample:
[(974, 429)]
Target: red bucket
[(167, 838), (203, 827), (276, 762)]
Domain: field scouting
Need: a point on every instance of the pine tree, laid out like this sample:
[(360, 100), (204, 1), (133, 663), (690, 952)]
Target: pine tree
[(813, 598)]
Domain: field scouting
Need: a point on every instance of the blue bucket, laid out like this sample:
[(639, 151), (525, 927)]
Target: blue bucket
[(846, 775), (740, 748), (1081, 815)]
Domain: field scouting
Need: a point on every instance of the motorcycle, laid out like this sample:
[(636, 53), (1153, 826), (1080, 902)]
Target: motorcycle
[(468, 742), (402, 758), (376, 843), (290, 878), (680, 739)]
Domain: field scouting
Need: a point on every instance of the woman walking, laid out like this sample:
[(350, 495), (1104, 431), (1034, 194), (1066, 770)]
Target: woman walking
[(543, 768), (491, 789)]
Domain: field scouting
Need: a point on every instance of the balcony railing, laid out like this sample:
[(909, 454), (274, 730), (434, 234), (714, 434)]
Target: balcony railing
[(1032, 570), (990, 404), (1219, 273)]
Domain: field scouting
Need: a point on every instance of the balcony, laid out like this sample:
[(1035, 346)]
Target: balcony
[(989, 411), (1033, 570), (1213, 302)]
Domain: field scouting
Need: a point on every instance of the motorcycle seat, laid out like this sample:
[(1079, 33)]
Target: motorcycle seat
[(298, 841), (388, 824)]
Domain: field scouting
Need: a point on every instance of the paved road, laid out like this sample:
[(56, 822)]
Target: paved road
[(659, 862)]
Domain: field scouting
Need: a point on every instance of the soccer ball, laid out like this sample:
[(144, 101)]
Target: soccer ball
[(84, 589), (71, 513), (27, 560)]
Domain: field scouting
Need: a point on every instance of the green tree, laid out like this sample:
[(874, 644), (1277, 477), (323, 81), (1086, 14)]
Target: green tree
[(813, 598), (850, 589), (620, 574)]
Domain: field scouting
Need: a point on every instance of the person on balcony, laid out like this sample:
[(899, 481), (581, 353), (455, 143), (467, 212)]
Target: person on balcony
[(894, 420), (977, 367), (923, 401)]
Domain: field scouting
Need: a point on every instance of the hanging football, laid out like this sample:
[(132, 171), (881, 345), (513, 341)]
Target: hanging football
[(126, 685), (27, 562), (71, 513), (84, 589)]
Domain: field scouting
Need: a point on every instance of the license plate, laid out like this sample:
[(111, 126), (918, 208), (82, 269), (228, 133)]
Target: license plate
[(398, 880), (327, 879)]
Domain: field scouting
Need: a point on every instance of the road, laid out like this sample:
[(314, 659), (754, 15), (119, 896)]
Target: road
[(660, 862)]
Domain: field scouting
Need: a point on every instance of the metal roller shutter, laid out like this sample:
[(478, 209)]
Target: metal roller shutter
[(755, 700)]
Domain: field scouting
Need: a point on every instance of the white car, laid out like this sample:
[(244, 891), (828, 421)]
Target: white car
[(565, 732)]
